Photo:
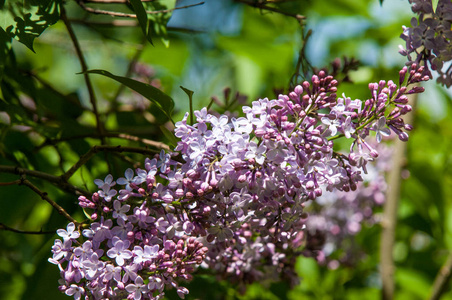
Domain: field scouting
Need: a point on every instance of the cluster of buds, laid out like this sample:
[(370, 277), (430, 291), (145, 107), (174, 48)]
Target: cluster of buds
[(232, 196)]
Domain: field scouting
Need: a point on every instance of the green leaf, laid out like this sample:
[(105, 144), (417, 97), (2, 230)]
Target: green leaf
[(434, 5), (161, 100), (142, 17), (158, 21), (414, 282), (190, 99), (5, 46), (26, 20), (172, 140)]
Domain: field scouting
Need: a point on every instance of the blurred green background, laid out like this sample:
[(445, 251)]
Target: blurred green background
[(213, 46)]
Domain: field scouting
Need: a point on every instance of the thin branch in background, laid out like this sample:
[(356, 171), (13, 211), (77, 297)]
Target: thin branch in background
[(92, 96), (111, 1), (128, 160), (126, 23), (303, 66), (389, 219), (442, 278), (263, 6), (7, 228), (44, 197), (56, 180), (116, 23), (126, 15), (152, 143), (89, 85), (15, 182), (147, 142), (105, 12), (86, 157)]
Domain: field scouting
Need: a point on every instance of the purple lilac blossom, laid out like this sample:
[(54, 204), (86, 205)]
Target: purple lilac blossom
[(232, 196), (428, 40)]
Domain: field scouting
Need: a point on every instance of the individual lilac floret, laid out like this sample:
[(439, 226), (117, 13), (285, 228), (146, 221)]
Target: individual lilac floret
[(138, 288), (70, 233), (127, 180), (76, 291), (107, 181), (146, 254), (380, 128), (120, 251)]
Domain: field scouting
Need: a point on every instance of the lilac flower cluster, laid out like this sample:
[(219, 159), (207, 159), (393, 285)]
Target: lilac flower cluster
[(231, 198), (428, 40), (336, 217)]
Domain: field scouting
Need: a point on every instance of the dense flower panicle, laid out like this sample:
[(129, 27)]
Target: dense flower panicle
[(232, 197), (428, 40)]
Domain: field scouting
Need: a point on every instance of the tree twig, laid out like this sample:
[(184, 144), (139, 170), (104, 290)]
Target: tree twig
[(116, 23), (389, 219), (442, 278), (4, 227), (263, 5), (11, 182), (92, 96), (111, 1), (158, 145), (56, 180), (44, 197), (127, 15), (86, 157)]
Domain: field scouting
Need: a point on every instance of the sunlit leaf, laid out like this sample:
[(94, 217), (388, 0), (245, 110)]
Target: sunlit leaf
[(164, 102), (26, 20), (190, 99)]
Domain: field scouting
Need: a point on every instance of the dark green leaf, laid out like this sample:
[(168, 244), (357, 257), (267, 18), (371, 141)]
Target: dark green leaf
[(5, 46), (142, 17), (172, 141), (26, 20), (161, 100)]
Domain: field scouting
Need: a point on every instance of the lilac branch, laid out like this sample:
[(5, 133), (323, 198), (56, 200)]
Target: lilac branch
[(263, 5), (111, 1), (84, 66), (148, 142), (86, 157), (126, 15), (56, 180), (44, 197), (7, 228), (442, 278)]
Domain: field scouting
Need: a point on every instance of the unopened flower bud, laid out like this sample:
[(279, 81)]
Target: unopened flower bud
[(403, 136)]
